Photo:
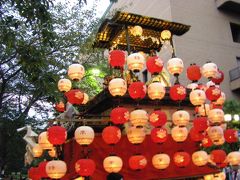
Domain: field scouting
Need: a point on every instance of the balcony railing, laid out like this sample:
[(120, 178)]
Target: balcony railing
[(234, 73)]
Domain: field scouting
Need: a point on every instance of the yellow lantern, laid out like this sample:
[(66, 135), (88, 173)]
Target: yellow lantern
[(136, 135), (233, 158), (43, 141), (64, 85), (117, 87), (112, 164), (52, 152), (216, 116), (203, 110), (166, 35), (220, 101), (85, 98), (137, 31), (220, 141), (215, 133), (179, 134), (84, 135), (200, 158), (208, 177), (76, 72), (156, 91), (219, 176), (135, 62), (175, 66), (181, 118), (197, 97), (37, 150), (139, 117), (160, 161), (56, 169), (209, 70)]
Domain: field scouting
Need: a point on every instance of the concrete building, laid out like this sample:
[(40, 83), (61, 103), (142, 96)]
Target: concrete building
[(214, 34)]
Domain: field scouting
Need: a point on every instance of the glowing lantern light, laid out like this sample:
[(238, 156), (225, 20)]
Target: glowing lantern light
[(84, 135), (200, 158), (213, 93), (57, 135), (194, 72), (209, 70), (137, 90), (137, 162), (215, 133), (117, 58), (192, 86), (111, 135), (233, 158), (178, 92), (52, 152), (156, 91), (160, 161), (220, 176), (112, 164), (85, 167), (136, 135), (165, 35), (208, 177), (135, 62), (179, 134), (175, 66), (60, 107), (181, 159), (196, 135), (117, 87), (203, 109), (197, 97), (158, 118), (56, 169), (37, 150), (220, 101), (154, 65), (139, 117), (85, 98), (76, 72), (218, 156), (75, 96), (219, 142), (218, 78), (216, 116), (207, 142), (43, 141), (64, 85), (200, 124), (180, 118), (137, 31), (231, 135), (119, 115), (159, 135), (42, 169)]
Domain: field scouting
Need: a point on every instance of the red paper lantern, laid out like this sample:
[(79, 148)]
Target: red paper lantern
[(57, 135), (181, 159), (75, 96), (196, 135), (200, 124), (137, 90), (111, 135), (85, 167), (231, 135), (137, 162), (154, 65), (159, 135), (218, 78), (207, 142), (60, 107), (119, 115), (42, 169), (178, 92), (34, 174), (158, 118), (116, 58), (213, 93), (218, 156), (194, 72)]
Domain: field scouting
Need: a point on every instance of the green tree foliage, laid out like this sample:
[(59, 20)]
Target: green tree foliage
[(38, 41), (232, 107)]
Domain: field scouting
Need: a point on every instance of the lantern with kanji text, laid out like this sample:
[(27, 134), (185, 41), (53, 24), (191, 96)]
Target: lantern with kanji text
[(160, 161), (112, 164), (76, 72), (156, 91), (84, 135), (56, 169)]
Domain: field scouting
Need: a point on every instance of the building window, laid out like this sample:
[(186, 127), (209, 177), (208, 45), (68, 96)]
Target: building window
[(145, 76), (235, 28), (238, 61)]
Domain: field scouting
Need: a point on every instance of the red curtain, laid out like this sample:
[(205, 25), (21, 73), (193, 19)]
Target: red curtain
[(124, 149)]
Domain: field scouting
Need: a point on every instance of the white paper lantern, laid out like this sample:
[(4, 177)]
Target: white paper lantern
[(56, 169), (76, 72), (136, 135), (139, 117), (181, 118), (85, 98), (216, 116), (64, 85), (209, 70), (156, 91), (197, 97), (200, 158), (179, 134), (117, 87), (161, 161), (135, 62), (84, 135), (175, 66), (43, 141), (112, 164), (215, 133), (233, 158)]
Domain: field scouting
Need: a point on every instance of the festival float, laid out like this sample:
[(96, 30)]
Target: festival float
[(137, 129)]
